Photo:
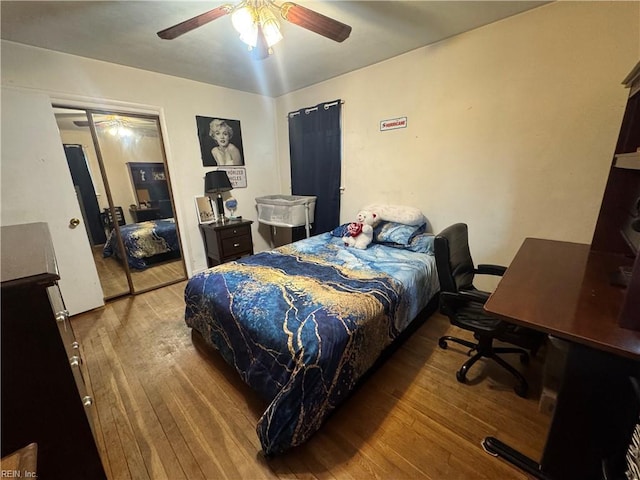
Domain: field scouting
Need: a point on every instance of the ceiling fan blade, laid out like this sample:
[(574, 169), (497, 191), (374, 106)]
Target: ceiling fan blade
[(85, 123), (316, 22), (195, 22)]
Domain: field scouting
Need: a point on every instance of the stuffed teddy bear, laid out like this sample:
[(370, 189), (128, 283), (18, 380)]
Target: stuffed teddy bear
[(360, 233)]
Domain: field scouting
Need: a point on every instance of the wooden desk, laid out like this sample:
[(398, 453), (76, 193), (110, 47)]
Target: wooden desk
[(563, 289)]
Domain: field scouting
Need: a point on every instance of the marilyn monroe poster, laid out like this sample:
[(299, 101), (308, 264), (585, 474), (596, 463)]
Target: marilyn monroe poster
[(220, 141)]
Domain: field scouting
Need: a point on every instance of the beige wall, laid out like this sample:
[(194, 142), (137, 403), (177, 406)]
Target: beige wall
[(76, 81), (511, 127), (116, 153)]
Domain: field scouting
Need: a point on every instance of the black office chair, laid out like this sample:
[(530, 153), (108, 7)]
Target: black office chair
[(464, 305), (107, 219)]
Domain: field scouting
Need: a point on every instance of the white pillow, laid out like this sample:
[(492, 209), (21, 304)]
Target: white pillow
[(397, 213)]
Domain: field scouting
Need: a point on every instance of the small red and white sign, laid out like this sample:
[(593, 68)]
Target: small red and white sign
[(393, 123)]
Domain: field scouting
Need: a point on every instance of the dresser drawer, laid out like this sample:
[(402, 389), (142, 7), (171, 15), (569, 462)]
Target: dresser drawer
[(61, 315), (71, 345), (236, 245), (235, 231)]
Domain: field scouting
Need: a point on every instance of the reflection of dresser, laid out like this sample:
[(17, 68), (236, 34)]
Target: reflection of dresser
[(150, 183), (44, 396)]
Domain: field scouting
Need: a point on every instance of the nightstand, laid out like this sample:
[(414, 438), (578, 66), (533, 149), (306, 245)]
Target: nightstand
[(227, 241)]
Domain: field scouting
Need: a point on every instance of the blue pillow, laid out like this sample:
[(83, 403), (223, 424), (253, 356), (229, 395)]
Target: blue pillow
[(341, 230), (422, 243), (397, 233), (417, 240)]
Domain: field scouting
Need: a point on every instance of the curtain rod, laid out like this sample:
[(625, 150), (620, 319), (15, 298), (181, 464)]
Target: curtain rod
[(326, 106)]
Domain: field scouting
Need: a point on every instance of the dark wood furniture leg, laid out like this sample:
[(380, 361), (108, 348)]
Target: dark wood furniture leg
[(495, 447), (594, 418)]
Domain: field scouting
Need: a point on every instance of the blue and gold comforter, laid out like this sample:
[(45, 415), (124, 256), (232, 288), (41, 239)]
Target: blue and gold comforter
[(144, 240), (302, 323)]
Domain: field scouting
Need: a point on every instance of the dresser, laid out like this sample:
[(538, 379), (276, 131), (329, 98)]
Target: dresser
[(151, 186), (145, 214), (45, 400), (227, 241)]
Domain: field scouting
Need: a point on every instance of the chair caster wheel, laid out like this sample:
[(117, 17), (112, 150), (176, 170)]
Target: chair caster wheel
[(461, 377), (442, 343), (521, 390)]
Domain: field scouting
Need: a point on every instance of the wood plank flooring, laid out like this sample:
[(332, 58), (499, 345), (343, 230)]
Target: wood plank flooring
[(113, 278), (168, 407)]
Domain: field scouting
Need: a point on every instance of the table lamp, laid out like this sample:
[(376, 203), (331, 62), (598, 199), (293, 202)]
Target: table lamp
[(217, 181)]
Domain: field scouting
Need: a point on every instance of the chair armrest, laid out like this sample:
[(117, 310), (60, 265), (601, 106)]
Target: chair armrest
[(487, 269)]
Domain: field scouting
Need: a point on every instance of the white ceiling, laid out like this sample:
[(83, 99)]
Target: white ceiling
[(124, 32)]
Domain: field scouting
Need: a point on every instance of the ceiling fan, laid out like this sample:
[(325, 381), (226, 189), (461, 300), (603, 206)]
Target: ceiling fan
[(122, 126), (258, 27)]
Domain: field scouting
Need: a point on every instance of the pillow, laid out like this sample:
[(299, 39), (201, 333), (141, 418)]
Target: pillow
[(418, 242), (396, 233), (341, 230), (398, 214), (422, 243)]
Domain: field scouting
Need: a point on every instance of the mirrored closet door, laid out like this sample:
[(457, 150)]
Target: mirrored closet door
[(118, 165)]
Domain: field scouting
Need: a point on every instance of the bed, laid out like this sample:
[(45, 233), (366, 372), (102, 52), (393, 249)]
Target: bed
[(145, 243), (303, 323)]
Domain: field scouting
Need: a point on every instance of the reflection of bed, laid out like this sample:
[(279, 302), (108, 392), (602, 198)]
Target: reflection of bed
[(303, 323), (145, 243)]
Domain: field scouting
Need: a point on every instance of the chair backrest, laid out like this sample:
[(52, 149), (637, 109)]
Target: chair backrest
[(107, 220), (453, 259)]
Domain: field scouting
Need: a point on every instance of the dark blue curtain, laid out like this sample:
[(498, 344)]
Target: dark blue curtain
[(84, 185), (315, 145)]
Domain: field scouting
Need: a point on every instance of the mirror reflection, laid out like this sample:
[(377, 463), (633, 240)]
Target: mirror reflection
[(127, 204)]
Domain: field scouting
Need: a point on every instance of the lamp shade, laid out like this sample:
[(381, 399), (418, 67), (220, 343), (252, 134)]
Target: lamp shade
[(217, 181)]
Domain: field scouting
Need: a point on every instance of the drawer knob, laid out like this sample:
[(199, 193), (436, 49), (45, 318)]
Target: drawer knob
[(75, 345), (74, 361), (87, 401), (236, 245)]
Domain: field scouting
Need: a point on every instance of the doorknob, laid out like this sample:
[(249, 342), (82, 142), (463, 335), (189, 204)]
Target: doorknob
[(74, 222)]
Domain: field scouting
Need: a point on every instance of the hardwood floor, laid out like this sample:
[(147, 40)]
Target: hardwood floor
[(168, 407), (113, 278)]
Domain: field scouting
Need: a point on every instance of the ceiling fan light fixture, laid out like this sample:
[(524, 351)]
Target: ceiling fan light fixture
[(117, 128), (244, 20), (270, 26), (243, 17), (257, 26), (250, 36)]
